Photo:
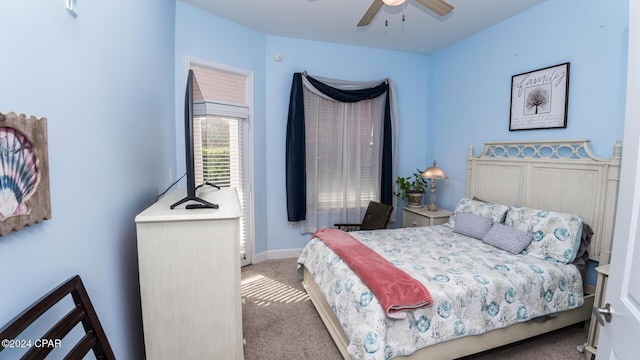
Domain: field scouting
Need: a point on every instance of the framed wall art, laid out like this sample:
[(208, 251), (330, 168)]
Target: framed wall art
[(539, 98), (24, 172)]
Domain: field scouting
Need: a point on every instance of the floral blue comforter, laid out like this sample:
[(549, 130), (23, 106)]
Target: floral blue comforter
[(475, 288)]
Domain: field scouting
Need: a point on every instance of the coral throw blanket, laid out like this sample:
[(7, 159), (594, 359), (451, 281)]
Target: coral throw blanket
[(396, 290)]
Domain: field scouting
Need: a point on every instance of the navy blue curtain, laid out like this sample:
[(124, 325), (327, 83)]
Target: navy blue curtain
[(296, 159), (295, 147)]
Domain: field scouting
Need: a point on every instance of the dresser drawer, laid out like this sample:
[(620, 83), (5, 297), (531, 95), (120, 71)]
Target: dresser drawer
[(410, 219), (423, 217)]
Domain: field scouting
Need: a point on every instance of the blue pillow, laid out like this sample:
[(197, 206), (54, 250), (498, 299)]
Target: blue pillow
[(507, 238), (475, 226)]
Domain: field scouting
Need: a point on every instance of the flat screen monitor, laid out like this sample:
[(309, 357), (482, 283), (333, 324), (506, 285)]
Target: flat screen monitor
[(189, 123)]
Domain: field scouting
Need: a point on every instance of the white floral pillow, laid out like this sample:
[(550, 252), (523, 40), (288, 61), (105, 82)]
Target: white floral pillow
[(556, 236), (480, 208)]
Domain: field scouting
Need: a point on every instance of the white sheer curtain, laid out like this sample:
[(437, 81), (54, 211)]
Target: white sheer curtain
[(343, 155)]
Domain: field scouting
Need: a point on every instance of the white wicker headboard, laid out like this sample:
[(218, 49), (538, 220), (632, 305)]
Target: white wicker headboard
[(558, 175)]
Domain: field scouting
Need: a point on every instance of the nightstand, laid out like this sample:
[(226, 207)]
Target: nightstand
[(601, 285), (422, 217)]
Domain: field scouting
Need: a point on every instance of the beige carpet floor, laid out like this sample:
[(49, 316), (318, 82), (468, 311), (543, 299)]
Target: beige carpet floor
[(280, 323)]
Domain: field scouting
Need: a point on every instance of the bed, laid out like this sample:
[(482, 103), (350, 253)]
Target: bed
[(550, 177)]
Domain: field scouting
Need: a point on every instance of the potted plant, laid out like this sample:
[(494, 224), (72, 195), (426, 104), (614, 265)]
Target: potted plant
[(412, 188)]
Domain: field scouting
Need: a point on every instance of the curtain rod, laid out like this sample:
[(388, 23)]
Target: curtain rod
[(304, 73)]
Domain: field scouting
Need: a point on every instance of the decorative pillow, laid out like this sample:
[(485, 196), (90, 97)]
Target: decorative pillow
[(582, 255), (555, 235), (507, 238), (475, 226), (482, 208)]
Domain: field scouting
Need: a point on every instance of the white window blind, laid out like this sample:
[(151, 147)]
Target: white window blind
[(221, 86), (219, 154), (343, 159), (220, 130), (340, 145)]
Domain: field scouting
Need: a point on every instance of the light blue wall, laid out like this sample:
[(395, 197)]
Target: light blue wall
[(469, 87), (105, 82)]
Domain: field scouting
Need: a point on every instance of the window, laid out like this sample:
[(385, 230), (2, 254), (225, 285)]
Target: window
[(342, 152), (339, 149), (222, 137), (343, 158), (219, 154)]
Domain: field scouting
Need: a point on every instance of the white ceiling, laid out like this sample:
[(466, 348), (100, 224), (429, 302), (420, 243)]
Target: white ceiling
[(422, 32)]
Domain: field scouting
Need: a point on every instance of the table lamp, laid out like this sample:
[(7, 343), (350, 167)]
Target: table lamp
[(432, 173)]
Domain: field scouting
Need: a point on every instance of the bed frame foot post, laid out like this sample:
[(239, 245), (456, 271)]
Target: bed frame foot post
[(610, 203), (469, 168)]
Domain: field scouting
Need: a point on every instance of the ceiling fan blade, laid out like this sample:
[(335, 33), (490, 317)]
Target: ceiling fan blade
[(439, 7), (371, 13)]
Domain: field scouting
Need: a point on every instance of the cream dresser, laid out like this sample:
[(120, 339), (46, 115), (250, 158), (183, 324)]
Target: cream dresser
[(189, 265), (422, 217)]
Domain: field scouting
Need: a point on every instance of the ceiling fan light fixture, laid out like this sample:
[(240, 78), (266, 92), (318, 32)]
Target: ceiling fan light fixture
[(393, 2), (439, 7)]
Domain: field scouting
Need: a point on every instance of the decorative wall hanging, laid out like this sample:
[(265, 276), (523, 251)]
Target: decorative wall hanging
[(539, 98), (24, 172)]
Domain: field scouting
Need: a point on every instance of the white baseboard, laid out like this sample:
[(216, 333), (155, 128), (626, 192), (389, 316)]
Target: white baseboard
[(276, 254)]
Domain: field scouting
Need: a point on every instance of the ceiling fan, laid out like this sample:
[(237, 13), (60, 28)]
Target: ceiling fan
[(439, 7)]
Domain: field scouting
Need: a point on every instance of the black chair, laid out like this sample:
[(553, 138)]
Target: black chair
[(376, 217), (83, 312)]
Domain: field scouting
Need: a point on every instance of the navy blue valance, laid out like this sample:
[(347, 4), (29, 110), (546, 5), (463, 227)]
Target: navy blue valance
[(295, 146)]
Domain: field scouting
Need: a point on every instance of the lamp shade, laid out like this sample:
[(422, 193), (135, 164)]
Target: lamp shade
[(434, 172), (393, 2)]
